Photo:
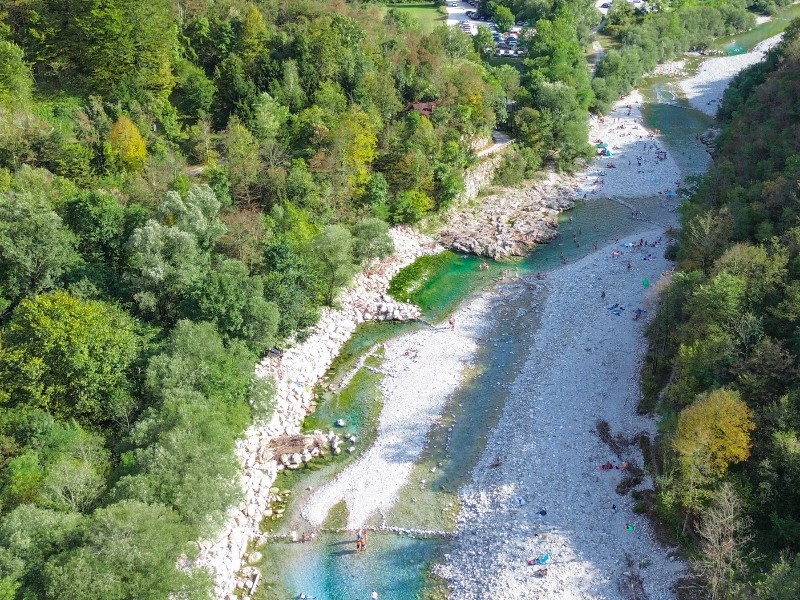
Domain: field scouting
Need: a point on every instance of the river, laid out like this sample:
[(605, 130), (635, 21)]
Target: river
[(398, 565)]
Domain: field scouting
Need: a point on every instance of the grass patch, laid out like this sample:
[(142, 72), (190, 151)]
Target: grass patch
[(58, 111), (608, 42), (497, 61), (412, 278), (435, 587), (271, 585), (365, 337), (424, 13), (426, 506), (337, 517)]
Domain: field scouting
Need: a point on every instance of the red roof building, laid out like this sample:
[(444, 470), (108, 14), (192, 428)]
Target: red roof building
[(423, 108)]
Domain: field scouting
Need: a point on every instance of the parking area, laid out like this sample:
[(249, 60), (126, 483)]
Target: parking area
[(604, 5), (457, 12), (466, 16)]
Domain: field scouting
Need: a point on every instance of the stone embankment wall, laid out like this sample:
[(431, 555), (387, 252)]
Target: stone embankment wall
[(296, 373), (479, 176)]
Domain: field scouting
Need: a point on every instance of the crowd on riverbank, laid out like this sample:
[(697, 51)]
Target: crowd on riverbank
[(632, 161), (540, 497)]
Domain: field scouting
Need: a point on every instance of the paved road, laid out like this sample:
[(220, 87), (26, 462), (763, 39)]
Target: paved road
[(500, 140)]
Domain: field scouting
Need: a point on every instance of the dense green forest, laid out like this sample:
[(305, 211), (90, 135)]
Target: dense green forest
[(183, 185), (727, 341)]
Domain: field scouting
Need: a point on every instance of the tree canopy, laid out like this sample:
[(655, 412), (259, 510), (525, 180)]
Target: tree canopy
[(725, 341)]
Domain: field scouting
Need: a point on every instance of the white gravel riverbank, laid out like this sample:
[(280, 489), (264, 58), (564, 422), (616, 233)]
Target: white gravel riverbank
[(638, 166), (424, 368), (583, 366), (704, 90)]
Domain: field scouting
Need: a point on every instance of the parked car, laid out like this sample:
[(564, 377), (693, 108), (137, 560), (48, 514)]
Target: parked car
[(605, 5), (470, 13)]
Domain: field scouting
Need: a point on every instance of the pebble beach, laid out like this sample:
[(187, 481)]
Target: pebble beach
[(422, 370), (638, 164), (539, 491)]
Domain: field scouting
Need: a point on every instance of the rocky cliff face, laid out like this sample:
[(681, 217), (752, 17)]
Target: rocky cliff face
[(479, 176), (510, 223)]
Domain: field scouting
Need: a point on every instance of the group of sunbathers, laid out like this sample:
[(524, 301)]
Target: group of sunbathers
[(609, 466)]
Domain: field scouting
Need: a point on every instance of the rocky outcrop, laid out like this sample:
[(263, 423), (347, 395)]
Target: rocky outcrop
[(295, 373), (709, 139), (510, 223)]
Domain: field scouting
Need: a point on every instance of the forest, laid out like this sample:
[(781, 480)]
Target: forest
[(184, 184), (726, 343)]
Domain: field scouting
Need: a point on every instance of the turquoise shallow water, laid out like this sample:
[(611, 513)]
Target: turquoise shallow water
[(744, 42), (679, 124), (396, 566), (331, 569)]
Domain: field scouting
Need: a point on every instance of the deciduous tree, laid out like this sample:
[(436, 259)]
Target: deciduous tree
[(712, 433), (15, 75), (333, 248), (35, 248), (725, 534), (196, 213), (127, 145), (127, 550), (234, 301), (70, 357), (165, 264), (371, 240)]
